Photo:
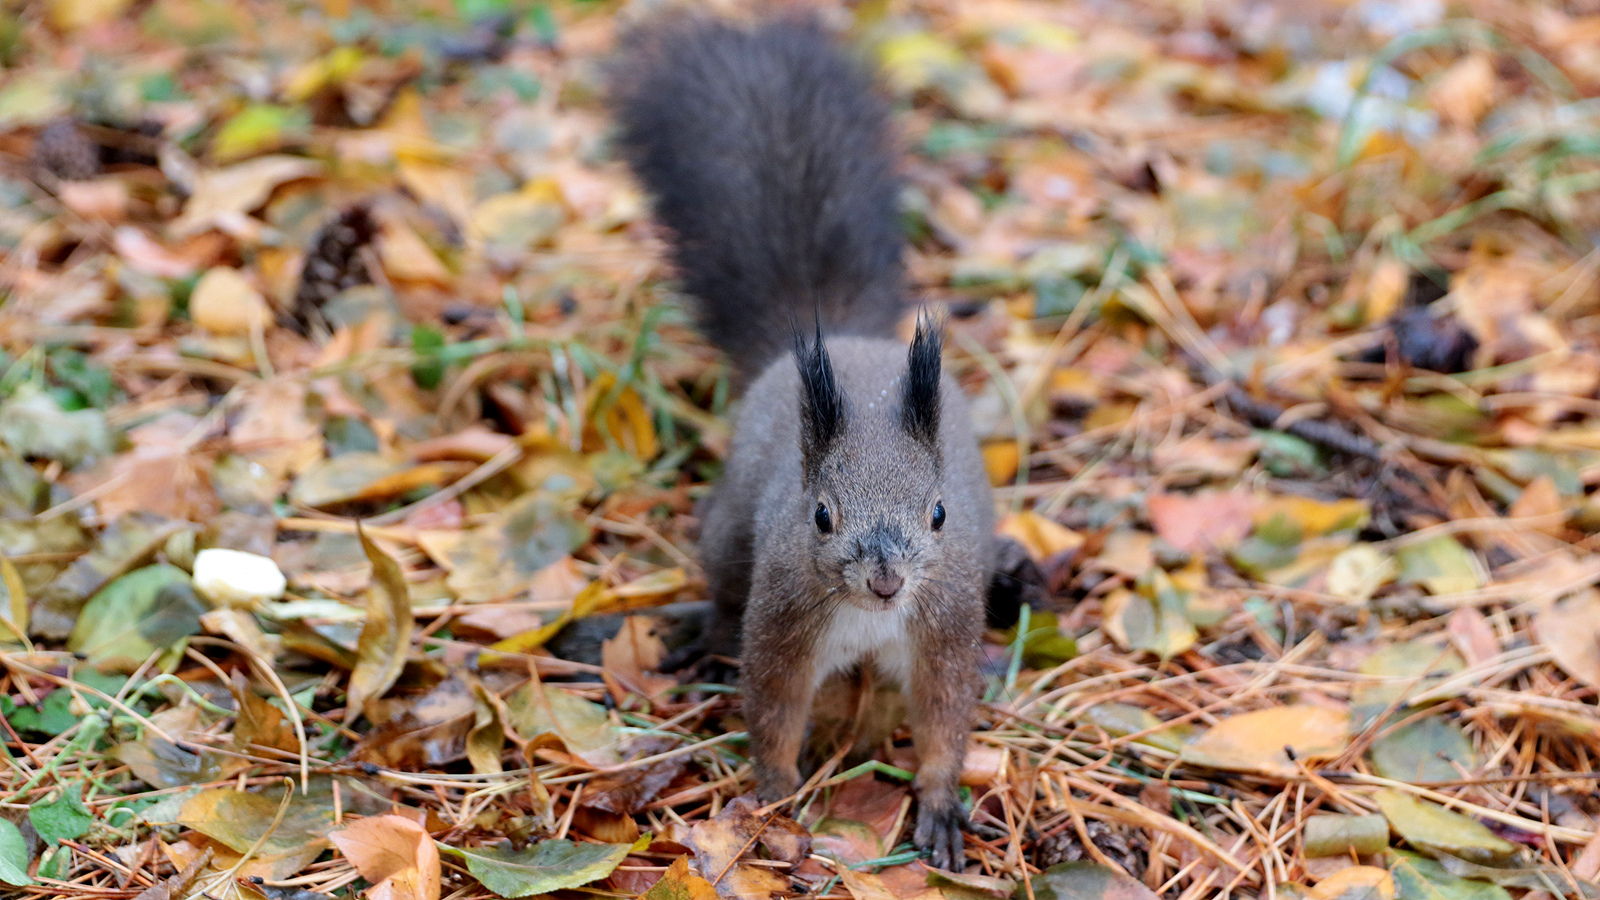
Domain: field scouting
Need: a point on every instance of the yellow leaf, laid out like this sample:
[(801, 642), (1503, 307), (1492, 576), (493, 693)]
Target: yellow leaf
[(1315, 517), (406, 257), (1465, 91), (1001, 459), (1042, 537), (225, 302), (1385, 289), (1255, 741), (1355, 883), (71, 15)]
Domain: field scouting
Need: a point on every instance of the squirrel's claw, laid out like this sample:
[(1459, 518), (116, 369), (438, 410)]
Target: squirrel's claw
[(939, 835)]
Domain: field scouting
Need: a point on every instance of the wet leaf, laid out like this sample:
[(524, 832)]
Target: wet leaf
[(1432, 827), (546, 866), (678, 883), (1424, 751), (1258, 741), (131, 618), (1083, 880), (62, 818), (1570, 629), (386, 636), (394, 853)]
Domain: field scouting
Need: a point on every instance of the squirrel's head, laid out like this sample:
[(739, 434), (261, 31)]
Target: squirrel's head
[(873, 476)]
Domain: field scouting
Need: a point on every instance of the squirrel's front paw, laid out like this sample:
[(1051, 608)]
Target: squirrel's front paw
[(773, 785), (939, 834)]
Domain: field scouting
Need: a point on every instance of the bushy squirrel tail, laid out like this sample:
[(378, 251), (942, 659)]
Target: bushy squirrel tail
[(770, 159)]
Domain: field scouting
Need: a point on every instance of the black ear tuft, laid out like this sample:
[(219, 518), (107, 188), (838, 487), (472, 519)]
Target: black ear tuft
[(821, 403), (919, 410)]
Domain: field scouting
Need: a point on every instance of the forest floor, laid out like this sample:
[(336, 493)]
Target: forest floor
[(1280, 327)]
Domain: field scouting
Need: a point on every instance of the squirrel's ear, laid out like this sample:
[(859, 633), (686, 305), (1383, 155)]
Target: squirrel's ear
[(821, 403), (919, 410)]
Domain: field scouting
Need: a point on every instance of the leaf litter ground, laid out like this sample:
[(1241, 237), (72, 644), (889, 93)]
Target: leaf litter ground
[(1279, 324)]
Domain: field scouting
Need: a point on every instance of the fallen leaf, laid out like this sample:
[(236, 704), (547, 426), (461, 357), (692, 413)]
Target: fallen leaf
[(1410, 668), (1355, 883), (1465, 91), (1258, 741), (1540, 498), (1123, 719), (1042, 537), (1425, 750), (678, 883), (583, 728), (1424, 879), (1342, 835), (1200, 521), (239, 819), (1001, 459), (1358, 571), (131, 618), (177, 886), (395, 854), (865, 886), (1154, 617), (1472, 635), (719, 842), (629, 792), (1428, 826), (225, 302), (222, 197), (1570, 628), (386, 636), (33, 423), (1086, 880), (13, 855), (549, 865), (62, 818), (1441, 565)]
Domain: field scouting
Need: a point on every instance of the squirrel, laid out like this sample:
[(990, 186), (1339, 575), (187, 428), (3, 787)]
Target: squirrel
[(852, 527)]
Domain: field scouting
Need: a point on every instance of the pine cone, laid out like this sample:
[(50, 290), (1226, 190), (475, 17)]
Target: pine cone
[(333, 264), (63, 150)]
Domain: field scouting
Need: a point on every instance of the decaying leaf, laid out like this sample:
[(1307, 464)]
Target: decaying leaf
[(1356, 883), (680, 884), (1341, 835), (239, 819), (719, 843)]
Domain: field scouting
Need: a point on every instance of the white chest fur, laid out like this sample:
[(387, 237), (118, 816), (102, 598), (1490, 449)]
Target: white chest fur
[(855, 634)]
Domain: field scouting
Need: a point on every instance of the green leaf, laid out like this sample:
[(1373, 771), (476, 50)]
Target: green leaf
[(1441, 565), (1428, 826), (1123, 719), (1045, 647), (64, 818), (1419, 878), (428, 370), (1083, 880), (53, 715), (1340, 835), (1423, 751), (144, 611), (13, 855), (34, 424), (546, 866), (256, 128)]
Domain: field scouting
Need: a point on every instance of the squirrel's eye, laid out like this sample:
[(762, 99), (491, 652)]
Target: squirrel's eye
[(938, 515), (823, 519)]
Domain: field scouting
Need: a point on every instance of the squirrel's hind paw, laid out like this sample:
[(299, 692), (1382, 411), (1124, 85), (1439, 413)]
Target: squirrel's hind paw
[(939, 835)]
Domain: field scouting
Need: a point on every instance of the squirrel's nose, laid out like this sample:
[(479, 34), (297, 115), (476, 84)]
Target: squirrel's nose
[(885, 584)]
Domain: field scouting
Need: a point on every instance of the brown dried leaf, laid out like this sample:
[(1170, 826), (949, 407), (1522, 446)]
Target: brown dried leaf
[(395, 854), (680, 884), (1570, 628), (386, 637)]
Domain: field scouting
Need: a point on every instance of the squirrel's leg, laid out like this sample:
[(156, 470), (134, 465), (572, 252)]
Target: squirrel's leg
[(777, 678), (941, 699)]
